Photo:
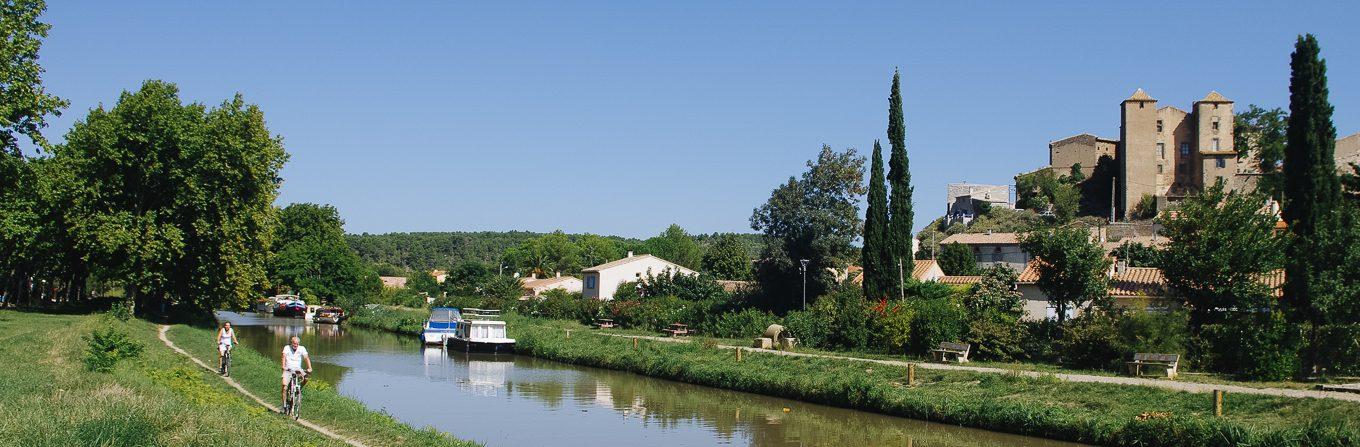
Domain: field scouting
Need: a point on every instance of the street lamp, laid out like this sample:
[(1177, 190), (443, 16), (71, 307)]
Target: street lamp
[(802, 266)]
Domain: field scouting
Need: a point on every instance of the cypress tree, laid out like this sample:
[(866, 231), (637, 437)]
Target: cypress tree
[(1312, 189), (876, 255), (899, 176)]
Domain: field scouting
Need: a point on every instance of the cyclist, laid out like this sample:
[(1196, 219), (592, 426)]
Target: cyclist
[(294, 355), (226, 338)]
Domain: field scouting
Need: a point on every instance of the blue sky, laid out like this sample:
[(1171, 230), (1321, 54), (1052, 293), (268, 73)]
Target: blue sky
[(623, 117)]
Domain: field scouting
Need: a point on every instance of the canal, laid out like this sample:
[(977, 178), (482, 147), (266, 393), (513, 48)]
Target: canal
[(524, 401)]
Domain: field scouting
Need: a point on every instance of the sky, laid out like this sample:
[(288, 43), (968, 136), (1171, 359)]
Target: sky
[(625, 117)]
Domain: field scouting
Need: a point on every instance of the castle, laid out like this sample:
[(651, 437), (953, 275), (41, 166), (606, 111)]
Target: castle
[(1167, 153)]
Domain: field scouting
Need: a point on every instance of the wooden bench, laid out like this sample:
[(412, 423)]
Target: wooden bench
[(604, 323), (951, 352), (1160, 362), (677, 330)]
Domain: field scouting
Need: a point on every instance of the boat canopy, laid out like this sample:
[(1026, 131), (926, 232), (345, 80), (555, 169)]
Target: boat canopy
[(445, 314)]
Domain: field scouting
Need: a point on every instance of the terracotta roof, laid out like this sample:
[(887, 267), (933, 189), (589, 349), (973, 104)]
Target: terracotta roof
[(922, 267), (616, 263), (1214, 97), (960, 280), (1031, 273), (535, 283), (983, 238), (1139, 95), (1138, 281)]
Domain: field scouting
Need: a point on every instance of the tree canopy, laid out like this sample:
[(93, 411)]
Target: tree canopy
[(1071, 266), (311, 254)]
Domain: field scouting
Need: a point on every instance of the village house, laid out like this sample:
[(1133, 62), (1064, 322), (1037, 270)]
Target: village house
[(993, 249), (602, 281), (393, 282), (1141, 288), (963, 201), (533, 286), (439, 275), (922, 270)]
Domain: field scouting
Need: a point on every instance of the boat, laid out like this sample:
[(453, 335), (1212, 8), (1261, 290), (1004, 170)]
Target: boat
[(441, 325), (480, 333), (310, 312), (328, 315), (289, 306)]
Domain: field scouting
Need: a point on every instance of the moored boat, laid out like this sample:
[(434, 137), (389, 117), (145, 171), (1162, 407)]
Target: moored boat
[(328, 315), (481, 334), (289, 306), (441, 325)]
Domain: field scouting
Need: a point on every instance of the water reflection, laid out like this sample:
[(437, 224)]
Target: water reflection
[(515, 400)]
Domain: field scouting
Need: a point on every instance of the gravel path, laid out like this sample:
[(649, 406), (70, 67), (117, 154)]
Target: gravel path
[(305, 423), (1191, 387)]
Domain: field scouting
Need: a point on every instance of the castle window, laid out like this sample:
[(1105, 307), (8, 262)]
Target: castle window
[(1216, 144), (1161, 150), (1185, 148), (1215, 124), (1159, 169), (1221, 162), (1159, 125)]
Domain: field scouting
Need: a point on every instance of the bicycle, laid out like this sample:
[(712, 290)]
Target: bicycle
[(290, 407), (225, 368)]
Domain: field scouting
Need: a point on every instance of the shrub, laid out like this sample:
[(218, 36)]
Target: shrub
[(107, 346), (850, 318), (808, 326), (1091, 340), (1341, 345), (1251, 345), (892, 327), (997, 336), (1158, 332), (935, 321), (121, 310), (652, 314), (746, 323)]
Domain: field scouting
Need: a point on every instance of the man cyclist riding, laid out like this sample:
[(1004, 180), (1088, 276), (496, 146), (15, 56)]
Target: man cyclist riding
[(293, 356), (226, 338)]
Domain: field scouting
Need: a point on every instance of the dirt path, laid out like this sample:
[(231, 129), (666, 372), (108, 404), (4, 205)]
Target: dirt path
[(305, 423), (1165, 384)]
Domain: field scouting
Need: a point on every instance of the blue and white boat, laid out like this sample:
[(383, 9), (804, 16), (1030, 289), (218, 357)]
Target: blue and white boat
[(443, 323), (481, 333)]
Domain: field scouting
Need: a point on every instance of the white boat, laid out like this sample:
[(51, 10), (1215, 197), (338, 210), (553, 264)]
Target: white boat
[(481, 334), (441, 325)]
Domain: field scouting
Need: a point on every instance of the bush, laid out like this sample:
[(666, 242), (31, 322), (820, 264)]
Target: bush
[(1092, 341), (107, 346), (997, 336), (1251, 345), (746, 323), (652, 314), (1157, 332), (1340, 344), (809, 326), (936, 321), (892, 327), (850, 318)]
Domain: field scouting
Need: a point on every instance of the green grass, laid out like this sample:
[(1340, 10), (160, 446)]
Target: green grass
[(49, 398), (1046, 407), (402, 320)]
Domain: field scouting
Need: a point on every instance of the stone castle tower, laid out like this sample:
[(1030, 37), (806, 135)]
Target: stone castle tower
[(1167, 153)]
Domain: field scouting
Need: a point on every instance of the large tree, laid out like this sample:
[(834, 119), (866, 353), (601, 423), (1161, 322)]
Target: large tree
[(876, 255), (1072, 267), (958, 260), (1221, 246), (546, 255), (173, 199), (813, 217), (24, 101), (899, 176), (727, 259), (1312, 190), (596, 249), (311, 254), (676, 245), (1259, 133)]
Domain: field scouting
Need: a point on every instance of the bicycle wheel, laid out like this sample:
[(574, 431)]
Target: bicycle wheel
[(226, 363), (297, 399)]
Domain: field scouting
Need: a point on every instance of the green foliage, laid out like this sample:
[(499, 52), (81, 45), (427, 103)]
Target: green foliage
[(467, 278), (1137, 254), (1252, 345), (685, 287), (1260, 133), (105, 347), (423, 282), (311, 254), (596, 249), (24, 102), (850, 318), (900, 214), (809, 326), (957, 260), (816, 218), (1071, 266), (935, 321), (1146, 208), (727, 258), (675, 245), (545, 255), (1043, 192), (653, 313), (746, 323), (1341, 345), (996, 293), (1092, 341)]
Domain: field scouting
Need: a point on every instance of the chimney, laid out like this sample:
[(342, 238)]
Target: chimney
[(630, 254)]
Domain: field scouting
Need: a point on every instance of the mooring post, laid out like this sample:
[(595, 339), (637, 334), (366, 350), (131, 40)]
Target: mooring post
[(738, 354), (634, 342), (1218, 402), (911, 374), (568, 333)]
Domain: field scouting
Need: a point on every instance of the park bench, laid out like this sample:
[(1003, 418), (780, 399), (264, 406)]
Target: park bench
[(951, 352), (604, 323), (1160, 362), (677, 330)]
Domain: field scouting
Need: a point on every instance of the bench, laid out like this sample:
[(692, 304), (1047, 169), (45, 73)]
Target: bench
[(951, 352), (604, 323), (677, 330), (1159, 362)]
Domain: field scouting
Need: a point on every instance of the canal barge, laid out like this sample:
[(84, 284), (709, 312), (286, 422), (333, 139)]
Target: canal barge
[(481, 334), (328, 315), (289, 306), (441, 325)]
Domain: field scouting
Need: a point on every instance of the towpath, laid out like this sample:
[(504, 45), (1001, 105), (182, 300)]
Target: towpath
[(1192, 387), (305, 423)]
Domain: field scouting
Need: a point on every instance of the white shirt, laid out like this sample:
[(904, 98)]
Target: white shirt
[(293, 359)]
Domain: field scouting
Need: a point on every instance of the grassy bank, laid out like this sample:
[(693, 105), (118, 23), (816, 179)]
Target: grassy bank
[(401, 320), (159, 397), (1045, 407)]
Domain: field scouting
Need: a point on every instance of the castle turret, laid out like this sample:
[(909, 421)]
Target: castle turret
[(1137, 152)]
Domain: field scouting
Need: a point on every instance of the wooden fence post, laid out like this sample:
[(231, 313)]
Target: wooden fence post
[(1218, 402), (738, 354), (911, 374), (635, 343), (568, 333)]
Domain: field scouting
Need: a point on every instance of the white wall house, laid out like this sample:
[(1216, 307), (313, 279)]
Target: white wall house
[(533, 287), (601, 281)]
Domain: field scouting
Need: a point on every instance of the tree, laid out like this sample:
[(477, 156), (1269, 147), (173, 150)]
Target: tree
[(1221, 246), (1350, 184), (876, 256), (676, 245), (1071, 267), (727, 259), (1137, 255), (546, 255), (1311, 187), (311, 253), (815, 217), (172, 199), (422, 281), (596, 249), (24, 101), (958, 260), (899, 176), (1260, 134), (467, 278)]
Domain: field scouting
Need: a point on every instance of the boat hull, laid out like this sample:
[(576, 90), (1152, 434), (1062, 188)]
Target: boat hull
[(435, 337), (464, 345)]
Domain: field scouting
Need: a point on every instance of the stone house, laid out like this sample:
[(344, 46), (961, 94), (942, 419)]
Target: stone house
[(993, 248)]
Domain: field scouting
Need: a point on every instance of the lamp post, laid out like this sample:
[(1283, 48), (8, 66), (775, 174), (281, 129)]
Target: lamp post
[(802, 267)]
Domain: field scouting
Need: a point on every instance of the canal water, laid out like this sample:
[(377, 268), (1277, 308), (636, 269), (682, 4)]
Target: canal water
[(511, 400)]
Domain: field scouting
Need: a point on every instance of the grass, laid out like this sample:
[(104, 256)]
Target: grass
[(402, 320), (156, 398), (1046, 407)]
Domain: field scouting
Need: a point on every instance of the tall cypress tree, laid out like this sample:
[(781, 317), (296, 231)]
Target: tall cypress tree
[(876, 256), (1312, 189), (899, 176)]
